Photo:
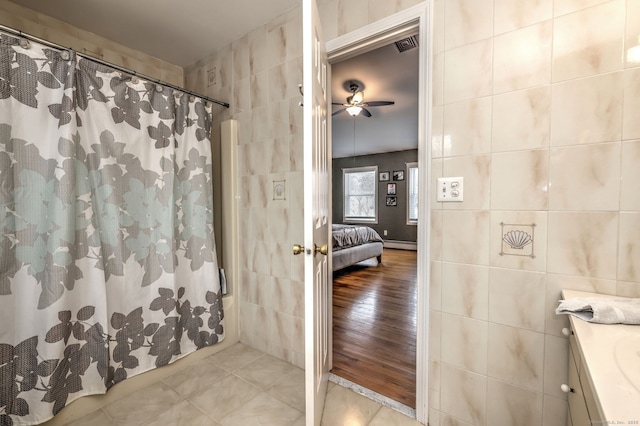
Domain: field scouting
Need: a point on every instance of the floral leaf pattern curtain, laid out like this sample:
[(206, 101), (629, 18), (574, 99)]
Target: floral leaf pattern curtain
[(107, 257)]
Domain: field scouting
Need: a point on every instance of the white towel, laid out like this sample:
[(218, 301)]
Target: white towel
[(602, 310)]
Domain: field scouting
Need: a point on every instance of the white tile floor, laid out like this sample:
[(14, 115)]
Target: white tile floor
[(239, 387)]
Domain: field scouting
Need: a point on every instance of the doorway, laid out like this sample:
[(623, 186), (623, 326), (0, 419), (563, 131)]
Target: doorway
[(412, 20), (374, 304)]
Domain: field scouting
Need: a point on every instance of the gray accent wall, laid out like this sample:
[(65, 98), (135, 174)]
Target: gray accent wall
[(391, 218)]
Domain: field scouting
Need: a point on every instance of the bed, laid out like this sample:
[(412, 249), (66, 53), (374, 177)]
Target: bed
[(353, 244)]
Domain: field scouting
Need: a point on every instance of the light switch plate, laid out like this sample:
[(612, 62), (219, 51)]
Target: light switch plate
[(450, 189)]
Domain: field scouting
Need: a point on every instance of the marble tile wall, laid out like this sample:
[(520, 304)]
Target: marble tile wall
[(55, 31), (540, 93), (259, 75), (340, 17)]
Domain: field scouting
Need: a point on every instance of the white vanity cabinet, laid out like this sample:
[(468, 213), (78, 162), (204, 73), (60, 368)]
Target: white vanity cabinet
[(604, 371), (580, 390)]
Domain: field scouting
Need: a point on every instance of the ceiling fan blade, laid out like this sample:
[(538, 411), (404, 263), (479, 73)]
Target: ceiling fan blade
[(337, 103), (365, 112), (379, 103), (338, 111)]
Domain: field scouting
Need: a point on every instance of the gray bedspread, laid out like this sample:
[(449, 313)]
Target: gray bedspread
[(345, 236)]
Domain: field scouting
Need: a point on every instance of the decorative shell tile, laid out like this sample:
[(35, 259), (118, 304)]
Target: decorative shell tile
[(517, 240)]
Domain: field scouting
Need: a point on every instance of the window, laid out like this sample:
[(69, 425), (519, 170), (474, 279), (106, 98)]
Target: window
[(412, 193), (360, 196)]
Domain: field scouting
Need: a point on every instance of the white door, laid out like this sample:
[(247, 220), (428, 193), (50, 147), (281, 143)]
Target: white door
[(316, 215)]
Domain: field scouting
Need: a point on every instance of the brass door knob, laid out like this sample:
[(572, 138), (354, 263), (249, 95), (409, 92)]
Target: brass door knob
[(322, 250), (297, 249)]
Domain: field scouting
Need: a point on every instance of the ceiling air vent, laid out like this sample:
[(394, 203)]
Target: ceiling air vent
[(407, 43)]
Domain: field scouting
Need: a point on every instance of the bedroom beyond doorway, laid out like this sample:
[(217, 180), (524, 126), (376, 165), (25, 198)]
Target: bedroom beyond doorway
[(374, 325)]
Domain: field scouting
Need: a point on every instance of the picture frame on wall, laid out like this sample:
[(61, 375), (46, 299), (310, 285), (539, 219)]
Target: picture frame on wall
[(392, 201), (391, 189), (383, 176), (398, 175)]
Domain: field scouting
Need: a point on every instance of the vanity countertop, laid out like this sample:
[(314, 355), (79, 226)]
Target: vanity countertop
[(611, 356)]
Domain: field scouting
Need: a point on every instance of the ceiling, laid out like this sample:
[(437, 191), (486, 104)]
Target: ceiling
[(179, 32), (386, 75), (182, 32)]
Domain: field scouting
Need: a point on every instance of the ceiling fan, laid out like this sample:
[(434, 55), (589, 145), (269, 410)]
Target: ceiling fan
[(355, 104)]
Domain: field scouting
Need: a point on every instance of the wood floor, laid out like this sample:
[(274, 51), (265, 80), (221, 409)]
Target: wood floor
[(374, 325)]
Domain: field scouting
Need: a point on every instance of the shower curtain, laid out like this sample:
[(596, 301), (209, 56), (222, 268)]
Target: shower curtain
[(107, 257)]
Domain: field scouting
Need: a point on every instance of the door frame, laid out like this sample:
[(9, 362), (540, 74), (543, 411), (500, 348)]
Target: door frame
[(407, 22)]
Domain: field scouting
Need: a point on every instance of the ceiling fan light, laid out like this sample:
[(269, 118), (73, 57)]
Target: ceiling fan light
[(354, 110), (357, 97)]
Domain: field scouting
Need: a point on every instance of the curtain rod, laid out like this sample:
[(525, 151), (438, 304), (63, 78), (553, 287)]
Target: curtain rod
[(21, 34)]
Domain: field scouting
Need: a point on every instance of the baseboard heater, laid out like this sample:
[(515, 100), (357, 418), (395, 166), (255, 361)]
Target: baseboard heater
[(402, 245)]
